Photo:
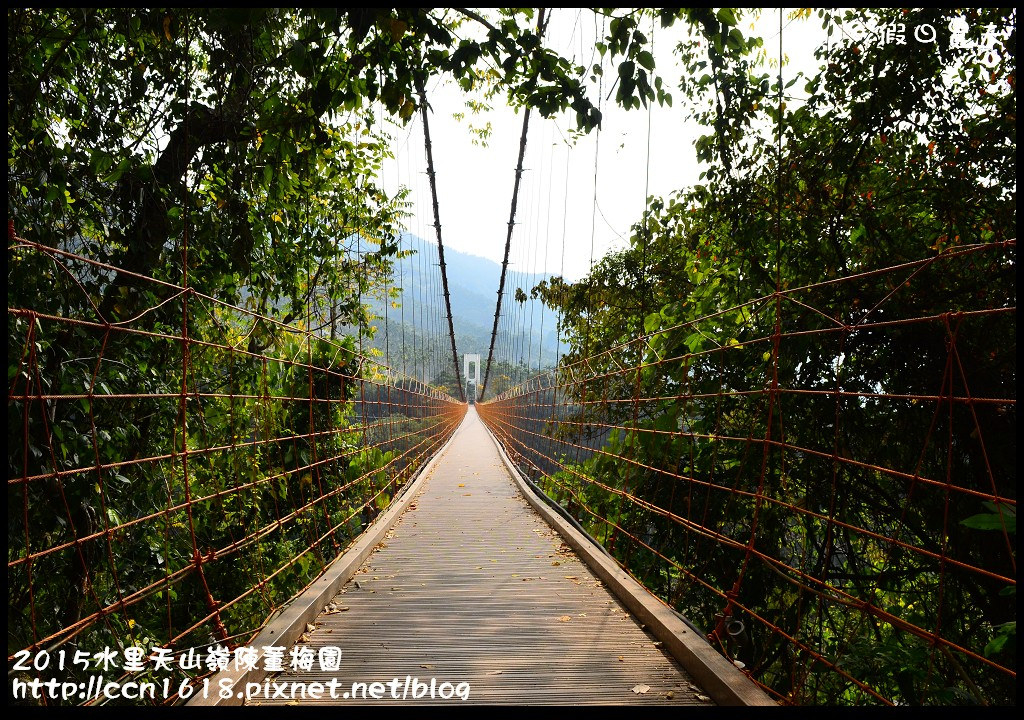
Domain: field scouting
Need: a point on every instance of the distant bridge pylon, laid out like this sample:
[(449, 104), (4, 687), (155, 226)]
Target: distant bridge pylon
[(471, 371)]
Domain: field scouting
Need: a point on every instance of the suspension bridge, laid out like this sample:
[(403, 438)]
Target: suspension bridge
[(774, 500)]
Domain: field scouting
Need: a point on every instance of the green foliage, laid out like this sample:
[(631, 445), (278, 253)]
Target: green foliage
[(234, 151), (1002, 518), (898, 153)]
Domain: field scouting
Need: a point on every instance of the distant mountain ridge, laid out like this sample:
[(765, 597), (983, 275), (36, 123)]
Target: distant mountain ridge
[(473, 288)]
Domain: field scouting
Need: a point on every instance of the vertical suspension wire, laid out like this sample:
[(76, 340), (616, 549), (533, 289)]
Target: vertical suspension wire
[(589, 289), (435, 328), (547, 243), (370, 391), (558, 374), (430, 290), (415, 273), (430, 268), (426, 339), (525, 233), (361, 361), (426, 305), (547, 240), (391, 470), (643, 289), (717, 635), (534, 239), (511, 336), (778, 170), (388, 380), (403, 238), (313, 527), (531, 237), (515, 269), (197, 558), (414, 308), (516, 315), (536, 382), (522, 250), (557, 412), (416, 260), (435, 317)]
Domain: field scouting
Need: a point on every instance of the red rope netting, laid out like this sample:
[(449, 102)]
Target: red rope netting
[(822, 478), (174, 478)]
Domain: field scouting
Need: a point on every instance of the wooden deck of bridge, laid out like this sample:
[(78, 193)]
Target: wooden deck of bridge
[(471, 585)]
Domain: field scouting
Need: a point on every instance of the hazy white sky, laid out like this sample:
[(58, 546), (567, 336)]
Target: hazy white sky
[(475, 182)]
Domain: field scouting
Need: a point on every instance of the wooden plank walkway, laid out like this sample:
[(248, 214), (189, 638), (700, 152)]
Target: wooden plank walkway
[(471, 585)]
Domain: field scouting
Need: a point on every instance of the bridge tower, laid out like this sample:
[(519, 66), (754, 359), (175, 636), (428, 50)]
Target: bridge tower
[(471, 371)]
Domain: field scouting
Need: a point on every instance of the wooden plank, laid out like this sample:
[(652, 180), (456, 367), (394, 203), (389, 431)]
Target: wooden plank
[(472, 586), (721, 680)]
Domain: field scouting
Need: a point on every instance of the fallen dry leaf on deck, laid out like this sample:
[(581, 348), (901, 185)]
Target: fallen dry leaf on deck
[(641, 689), (704, 698), (564, 618)]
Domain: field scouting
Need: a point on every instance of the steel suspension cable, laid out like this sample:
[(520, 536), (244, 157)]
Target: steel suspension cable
[(508, 247), (437, 229), (541, 25)]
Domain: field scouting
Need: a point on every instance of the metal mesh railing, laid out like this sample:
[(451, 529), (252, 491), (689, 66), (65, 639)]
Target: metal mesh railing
[(823, 478), (171, 481)]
